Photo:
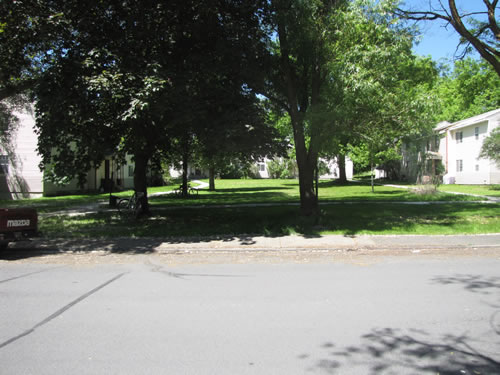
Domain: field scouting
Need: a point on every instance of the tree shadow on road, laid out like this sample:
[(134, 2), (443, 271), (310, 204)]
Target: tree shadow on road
[(387, 351), (472, 283), (393, 351)]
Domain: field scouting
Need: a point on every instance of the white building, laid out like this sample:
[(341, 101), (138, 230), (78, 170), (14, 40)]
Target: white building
[(20, 176), (332, 165), (459, 146), (334, 169)]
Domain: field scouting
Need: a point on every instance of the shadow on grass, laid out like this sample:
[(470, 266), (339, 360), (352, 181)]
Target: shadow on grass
[(223, 196), (252, 189)]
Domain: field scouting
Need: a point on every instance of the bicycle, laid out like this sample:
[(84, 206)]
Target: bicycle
[(191, 191), (132, 205)]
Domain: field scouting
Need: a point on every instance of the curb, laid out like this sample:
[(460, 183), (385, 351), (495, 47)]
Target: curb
[(245, 244)]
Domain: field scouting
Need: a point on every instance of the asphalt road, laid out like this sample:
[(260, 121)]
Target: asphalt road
[(411, 313)]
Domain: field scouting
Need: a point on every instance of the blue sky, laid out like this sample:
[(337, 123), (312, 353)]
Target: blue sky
[(437, 40)]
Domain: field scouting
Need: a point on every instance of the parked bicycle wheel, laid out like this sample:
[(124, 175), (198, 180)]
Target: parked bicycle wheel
[(123, 205)]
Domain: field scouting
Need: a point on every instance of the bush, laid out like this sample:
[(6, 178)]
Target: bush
[(281, 168), (238, 169)]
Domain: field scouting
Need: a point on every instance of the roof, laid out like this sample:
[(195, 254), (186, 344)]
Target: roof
[(442, 125), (469, 121)]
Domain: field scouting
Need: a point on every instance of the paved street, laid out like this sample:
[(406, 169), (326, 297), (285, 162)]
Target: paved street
[(424, 312)]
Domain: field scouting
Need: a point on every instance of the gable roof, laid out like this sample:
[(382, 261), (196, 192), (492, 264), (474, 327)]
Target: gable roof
[(445, 125), (475, 119)]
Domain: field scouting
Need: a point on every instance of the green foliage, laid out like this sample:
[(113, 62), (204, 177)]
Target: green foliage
[(471, 89), (379, 92), (237, 169), (282, 168), (149, 79), (491, 147)]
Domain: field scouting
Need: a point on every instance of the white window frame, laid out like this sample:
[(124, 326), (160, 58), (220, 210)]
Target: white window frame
[(262, 167), (459, 136)]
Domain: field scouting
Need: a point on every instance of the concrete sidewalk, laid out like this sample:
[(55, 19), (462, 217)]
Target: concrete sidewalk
[(260, 243)]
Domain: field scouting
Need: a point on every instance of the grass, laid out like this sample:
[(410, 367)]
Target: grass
[(345, 219), (366, 213), (488, 190), (286, 191)]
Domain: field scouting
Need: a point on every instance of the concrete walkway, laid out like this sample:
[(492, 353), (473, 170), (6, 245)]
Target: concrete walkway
[(489, 198)]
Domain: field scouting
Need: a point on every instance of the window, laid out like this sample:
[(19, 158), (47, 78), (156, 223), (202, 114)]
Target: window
[(476, 132), (460, 165), (477, 167), (131, 171), (262, 167), (4, 164), (459, 137)]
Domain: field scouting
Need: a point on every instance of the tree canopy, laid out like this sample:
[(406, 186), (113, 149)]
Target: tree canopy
[(138, 76), (471, 88), (149, 79)]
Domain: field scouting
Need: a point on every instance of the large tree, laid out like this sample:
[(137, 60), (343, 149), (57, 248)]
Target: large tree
[(301, 53), (344, 74), (136, 76), (107, 90), (477, 29)]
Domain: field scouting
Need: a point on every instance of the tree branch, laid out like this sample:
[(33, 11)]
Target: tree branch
[(486, 51)]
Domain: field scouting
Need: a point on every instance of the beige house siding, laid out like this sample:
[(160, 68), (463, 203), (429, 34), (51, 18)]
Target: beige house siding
[(23, 178)]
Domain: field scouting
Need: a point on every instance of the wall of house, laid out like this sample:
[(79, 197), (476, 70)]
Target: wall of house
[(262, 168), (335, 171), (465, 151), (121, 175), (193, 172), (494, 168), (23, 178)]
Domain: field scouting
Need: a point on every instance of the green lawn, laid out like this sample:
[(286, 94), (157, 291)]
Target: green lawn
[(281, 191), (488, 190), (346, 219), (345, 209)]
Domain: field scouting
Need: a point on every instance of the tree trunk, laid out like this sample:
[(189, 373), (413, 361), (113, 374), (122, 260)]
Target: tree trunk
[(185, 159), (316, 180), (306, 160), (140, 180), (342, 172), (372, 175), (211, 178), (308, 198)]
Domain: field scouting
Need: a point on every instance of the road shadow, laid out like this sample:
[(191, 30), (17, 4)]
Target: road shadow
[(387, 351), (393, 351), (472, 283)]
